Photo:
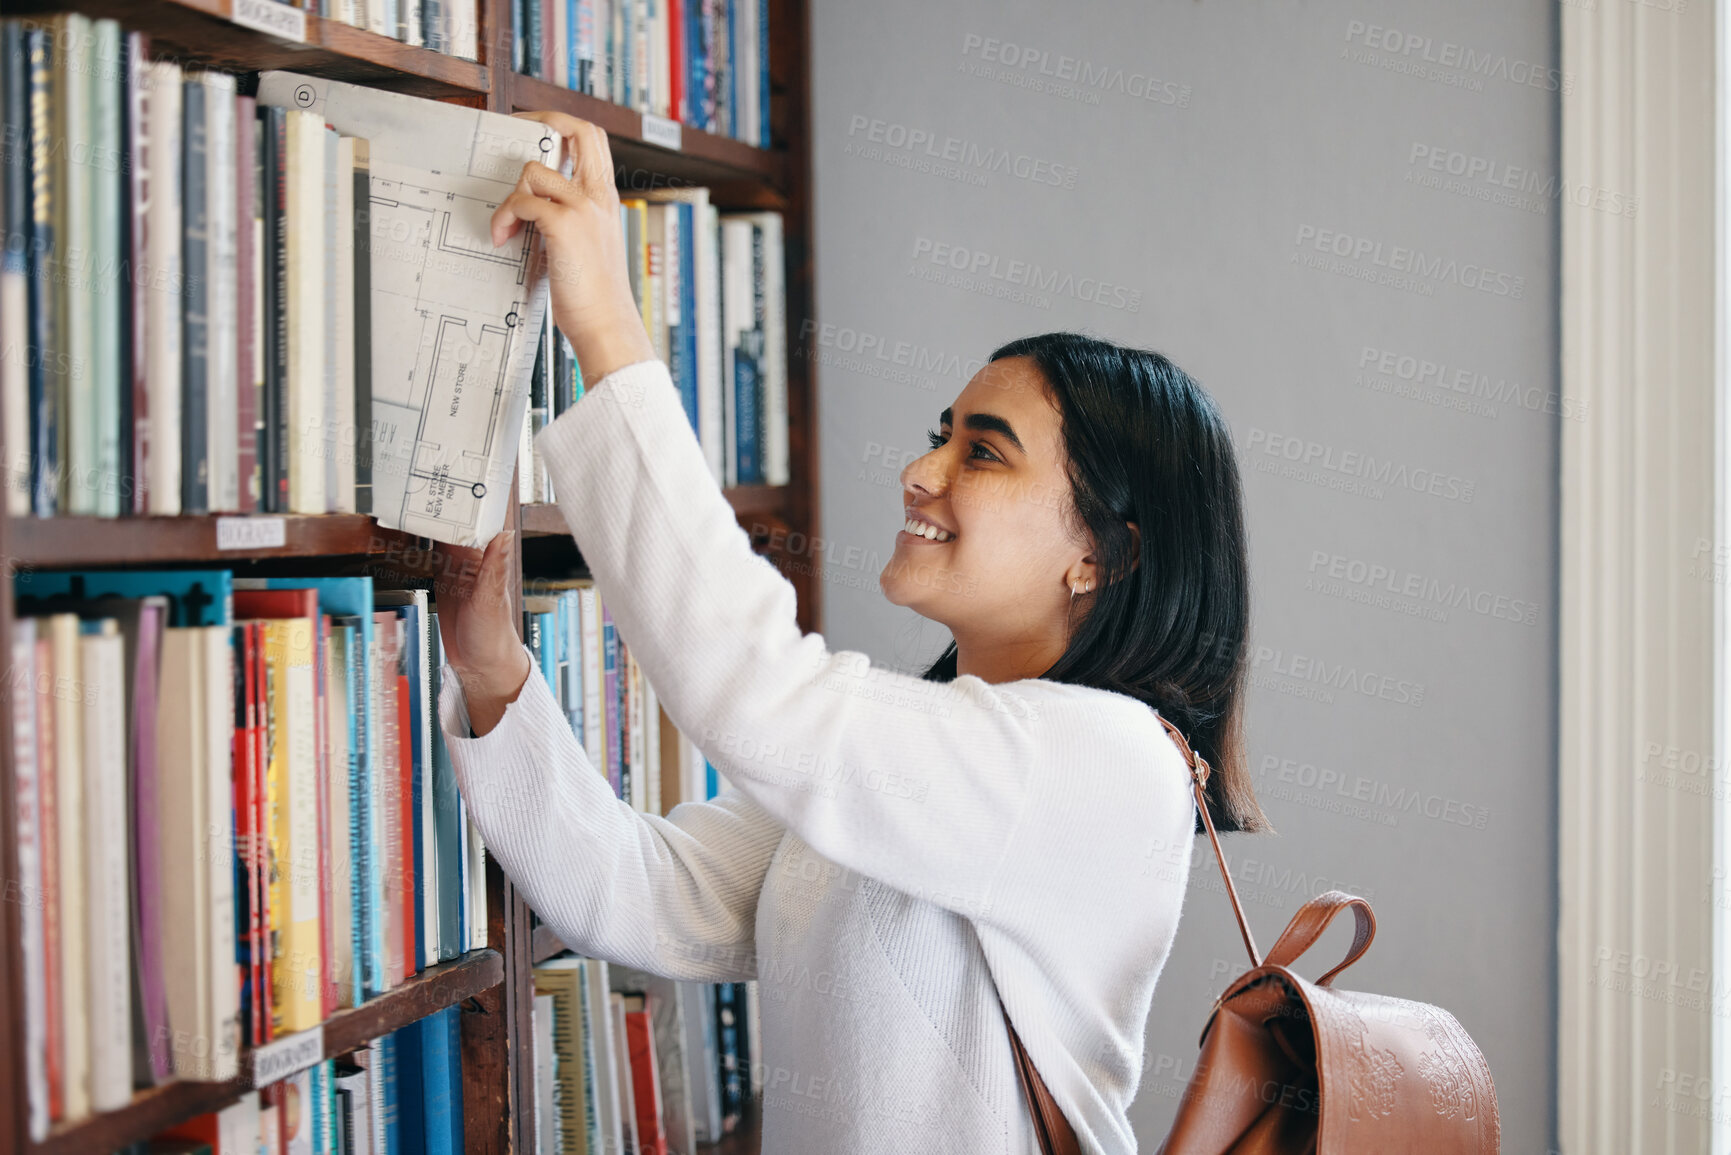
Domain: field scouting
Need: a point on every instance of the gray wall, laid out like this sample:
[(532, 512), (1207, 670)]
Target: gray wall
[(1403, 745)]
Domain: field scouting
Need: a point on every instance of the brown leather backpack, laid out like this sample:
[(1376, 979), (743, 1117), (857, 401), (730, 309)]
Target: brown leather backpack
[(1292, 1066)]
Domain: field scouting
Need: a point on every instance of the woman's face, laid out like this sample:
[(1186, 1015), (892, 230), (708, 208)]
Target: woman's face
[(994, 551)]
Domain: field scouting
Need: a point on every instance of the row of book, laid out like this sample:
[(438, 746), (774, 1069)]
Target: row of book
[(235, 816), (449, 26), (704, 63), (627, 1061), (400, 1095), (186, 313), (689, 1078), (711, 288)]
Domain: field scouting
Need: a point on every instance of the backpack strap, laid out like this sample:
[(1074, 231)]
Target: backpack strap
[(1199, 771)]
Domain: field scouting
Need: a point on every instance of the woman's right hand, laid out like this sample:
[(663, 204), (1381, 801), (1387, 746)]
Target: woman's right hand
[(477, 627)]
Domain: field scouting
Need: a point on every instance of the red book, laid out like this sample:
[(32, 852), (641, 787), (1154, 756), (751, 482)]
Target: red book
[(49, 792), (271, 604), (262, 974), (406, 792), (676, 63), (245, 814), (645, 1082), (246, 363)]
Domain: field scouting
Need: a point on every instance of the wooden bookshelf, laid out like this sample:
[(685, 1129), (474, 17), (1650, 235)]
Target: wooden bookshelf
[(150, 1111), (495, 985)]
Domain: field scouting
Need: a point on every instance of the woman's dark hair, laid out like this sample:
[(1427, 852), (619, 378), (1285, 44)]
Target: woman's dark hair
[(1145, 444)]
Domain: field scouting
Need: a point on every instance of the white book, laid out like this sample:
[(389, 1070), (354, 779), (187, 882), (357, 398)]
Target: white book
[(409, 22), (222, 406), (306, 310), (594, 738), (359, 1086), (164, 296), (237, 1125), (335, 417), (378, 18), (693, 772), (622, 1061), (477, 887), (69, 803), (660, 68), (702, 1066), (652, 747), (465, 28), (635, 720), (343, 437), (102, 273), (754, 1036), (547, 1129), (376, 1096), (216, 759), (27, 802), (561, 33), (773, 377), (604, 1058), (74, 63), (108, 886)]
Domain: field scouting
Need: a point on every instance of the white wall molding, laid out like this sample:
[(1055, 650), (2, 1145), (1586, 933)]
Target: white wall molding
[(1636, 981)]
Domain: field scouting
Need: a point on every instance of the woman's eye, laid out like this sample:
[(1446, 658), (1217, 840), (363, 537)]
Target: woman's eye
[(978, 450)]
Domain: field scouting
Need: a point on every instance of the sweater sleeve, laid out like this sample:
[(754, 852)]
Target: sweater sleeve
[(918, 784), (675, 896)]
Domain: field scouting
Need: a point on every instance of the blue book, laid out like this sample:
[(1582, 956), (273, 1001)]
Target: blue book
[(684, 343), (43, 271), (390, 1108), (549, 650), (746, 359), (413, 664), (411, 1110), (731, 72), (711, 785), (762, 78), (442, 1081), (517, 45), (196, 597), (355, 680), (447, 822), (697, 101), (351, 599), (610, 703)]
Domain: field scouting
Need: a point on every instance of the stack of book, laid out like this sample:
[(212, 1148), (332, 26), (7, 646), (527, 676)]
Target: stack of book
[(187, 288), (235, 817), (449, 26), (652, 766), (401, 1095), (704, 63), (626, 1061), (711, 289)]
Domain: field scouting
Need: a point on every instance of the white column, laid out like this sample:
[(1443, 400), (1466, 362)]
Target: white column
[(1637, 805)]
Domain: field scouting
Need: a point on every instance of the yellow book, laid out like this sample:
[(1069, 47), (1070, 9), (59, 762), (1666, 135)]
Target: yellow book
[(291, 787), (638, 257), (562, 978)]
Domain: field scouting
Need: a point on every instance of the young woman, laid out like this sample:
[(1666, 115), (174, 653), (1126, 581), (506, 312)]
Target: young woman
[(895, 854)]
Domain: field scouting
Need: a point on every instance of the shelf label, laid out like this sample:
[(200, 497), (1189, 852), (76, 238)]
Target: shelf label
[(288, 1056), (661, 131), (268, 16), (251, 532)]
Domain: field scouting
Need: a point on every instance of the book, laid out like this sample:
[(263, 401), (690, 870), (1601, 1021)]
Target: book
[(561, 980), (304, 309), (547, 1129), (361, 324), (27, 831), (449, 480), (292, 782), (221, 439), (195, 317), (15, 266)]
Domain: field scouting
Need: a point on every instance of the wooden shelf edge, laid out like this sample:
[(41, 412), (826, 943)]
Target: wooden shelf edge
[(161, 1107), (543, 519), (702, 157), (199, 32), (544, 944), (62, 542)]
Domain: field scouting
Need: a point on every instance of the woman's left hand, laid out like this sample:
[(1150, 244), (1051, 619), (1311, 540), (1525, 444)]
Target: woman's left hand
[(579, 221)]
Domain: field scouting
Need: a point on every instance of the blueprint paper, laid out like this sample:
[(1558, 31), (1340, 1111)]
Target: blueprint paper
[(455, 320)]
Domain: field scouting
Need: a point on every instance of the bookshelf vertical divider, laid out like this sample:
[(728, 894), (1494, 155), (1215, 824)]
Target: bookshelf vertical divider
[(495, 987)]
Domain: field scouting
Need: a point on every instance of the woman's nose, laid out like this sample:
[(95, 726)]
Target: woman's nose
[(928, 473)]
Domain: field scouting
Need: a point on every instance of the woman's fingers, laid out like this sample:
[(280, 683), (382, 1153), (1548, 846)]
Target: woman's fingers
[(523, 205), (591, 155)]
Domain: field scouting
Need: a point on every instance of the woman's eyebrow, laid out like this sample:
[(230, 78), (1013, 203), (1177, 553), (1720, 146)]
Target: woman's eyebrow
[(986, 423)]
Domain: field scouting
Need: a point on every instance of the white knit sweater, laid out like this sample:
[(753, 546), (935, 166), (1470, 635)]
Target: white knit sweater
[(888, 849)]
